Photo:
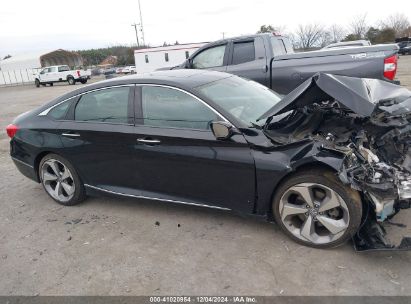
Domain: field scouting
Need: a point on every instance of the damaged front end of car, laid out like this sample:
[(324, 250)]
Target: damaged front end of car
[(369, 122)]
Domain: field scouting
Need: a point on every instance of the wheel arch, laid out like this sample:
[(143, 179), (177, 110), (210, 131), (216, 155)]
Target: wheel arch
[(315, 164), (37, 161)]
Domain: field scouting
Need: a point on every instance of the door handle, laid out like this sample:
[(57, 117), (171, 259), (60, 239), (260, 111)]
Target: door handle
[(71, 134), (148, 141)]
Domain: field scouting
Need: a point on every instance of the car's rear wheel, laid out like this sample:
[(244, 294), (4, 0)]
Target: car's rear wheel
[(315, 209), (60, 180), (83, 81)]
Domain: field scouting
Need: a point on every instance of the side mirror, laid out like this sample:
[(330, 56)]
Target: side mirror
[(189, 63), (222, 130)]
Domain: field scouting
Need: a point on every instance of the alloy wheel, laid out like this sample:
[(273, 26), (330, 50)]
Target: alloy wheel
[(57, 180), (314, 213)]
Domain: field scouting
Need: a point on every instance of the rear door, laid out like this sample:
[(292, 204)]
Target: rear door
[(247, 58), (178, 158), (213, 58), (98, 137)]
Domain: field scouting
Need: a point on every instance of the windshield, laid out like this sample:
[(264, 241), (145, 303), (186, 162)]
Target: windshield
[(245, 99)]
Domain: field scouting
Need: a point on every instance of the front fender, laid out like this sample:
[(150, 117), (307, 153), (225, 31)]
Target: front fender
[(275, 164)]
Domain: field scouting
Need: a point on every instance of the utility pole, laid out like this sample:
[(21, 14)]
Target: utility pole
[(223, 34), (141, 23), (135, 28)]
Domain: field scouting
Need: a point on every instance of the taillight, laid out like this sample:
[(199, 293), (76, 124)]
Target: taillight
[(78, 73), (390, 67), (12, 130)]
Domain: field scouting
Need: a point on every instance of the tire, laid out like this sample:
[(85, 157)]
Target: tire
[(51, 84), (58, 178), (71, 80), (83, 81), (315, 224), (37, 83)]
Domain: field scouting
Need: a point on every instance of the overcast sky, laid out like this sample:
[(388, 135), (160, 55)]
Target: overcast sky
[(50, 24)]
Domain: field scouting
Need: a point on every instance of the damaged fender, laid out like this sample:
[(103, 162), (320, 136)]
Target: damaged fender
[(368, 121)]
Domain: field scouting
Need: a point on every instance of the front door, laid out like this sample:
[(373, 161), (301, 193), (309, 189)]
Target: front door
[(44, 75), (178, 158)]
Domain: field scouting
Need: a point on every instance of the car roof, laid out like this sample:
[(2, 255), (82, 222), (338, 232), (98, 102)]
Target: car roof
[(243, 37), (186, 79)]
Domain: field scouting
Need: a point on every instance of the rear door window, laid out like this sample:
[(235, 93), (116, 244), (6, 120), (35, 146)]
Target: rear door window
[(107, 105), (59, 112), (243, 52), (63, 68)]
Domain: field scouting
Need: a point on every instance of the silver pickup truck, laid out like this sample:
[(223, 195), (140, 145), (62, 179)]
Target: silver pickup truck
[(270, 60)]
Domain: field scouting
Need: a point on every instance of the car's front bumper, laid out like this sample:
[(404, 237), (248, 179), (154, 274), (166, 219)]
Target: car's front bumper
[(371, 237)]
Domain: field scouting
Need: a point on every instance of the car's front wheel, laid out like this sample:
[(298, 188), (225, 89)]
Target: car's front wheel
[(60, 180), (315, 209)]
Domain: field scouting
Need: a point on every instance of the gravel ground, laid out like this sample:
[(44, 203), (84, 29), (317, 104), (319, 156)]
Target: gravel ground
[(117, 246)]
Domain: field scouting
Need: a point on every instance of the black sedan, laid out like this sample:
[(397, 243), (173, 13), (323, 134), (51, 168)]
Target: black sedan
[(309, 161)]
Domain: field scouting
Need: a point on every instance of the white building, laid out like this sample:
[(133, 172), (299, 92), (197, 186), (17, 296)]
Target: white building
[(151, 59), (19, 69)]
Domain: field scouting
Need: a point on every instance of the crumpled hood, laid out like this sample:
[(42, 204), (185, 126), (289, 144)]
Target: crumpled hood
[(361, 95)]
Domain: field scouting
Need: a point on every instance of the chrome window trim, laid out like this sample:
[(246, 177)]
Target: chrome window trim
[(154, 198), (46, 111), (186, 92)]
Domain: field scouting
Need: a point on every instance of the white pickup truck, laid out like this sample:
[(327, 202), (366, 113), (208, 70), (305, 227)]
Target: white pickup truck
[(60, 73), (131, 69)]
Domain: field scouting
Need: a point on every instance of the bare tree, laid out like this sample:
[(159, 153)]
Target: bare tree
[(266, 29), (337, 32), (325, 38), (271, 28), (358, 26), (399, 23), (293, 39), (309, 35)]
